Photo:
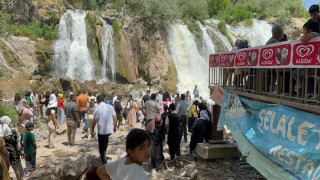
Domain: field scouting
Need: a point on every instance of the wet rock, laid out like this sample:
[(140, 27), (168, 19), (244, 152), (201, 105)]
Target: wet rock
[(194, 174)]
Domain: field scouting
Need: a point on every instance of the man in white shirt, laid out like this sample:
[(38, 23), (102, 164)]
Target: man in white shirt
[(114, 97), (106, 118), (196, 92)]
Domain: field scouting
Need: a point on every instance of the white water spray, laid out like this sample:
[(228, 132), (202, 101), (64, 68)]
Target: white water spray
[(191, 66), (72, 57), (108, 52)]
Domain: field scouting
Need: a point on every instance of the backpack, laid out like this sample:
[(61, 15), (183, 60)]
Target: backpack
[(117, 107)]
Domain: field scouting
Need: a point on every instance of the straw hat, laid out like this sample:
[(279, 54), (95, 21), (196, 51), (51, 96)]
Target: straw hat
[(92, 99), (52, 104), (60, 96)]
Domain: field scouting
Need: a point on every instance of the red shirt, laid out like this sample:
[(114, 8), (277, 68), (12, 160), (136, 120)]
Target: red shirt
[(60, 103)]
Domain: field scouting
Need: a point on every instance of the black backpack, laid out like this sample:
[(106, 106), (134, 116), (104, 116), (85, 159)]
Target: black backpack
[(117, 107)]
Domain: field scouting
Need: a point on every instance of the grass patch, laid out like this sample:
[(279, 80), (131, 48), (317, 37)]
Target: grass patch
[(91, 22), (248, 22), (6, 110), (116, 29), (37, 125)]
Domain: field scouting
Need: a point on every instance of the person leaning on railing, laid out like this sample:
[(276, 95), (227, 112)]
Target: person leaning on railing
[(310, 30)]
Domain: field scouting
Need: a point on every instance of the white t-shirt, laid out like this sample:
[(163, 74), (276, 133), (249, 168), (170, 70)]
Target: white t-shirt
[(53, 97), (114, 99), (119, 170), (104, 112)]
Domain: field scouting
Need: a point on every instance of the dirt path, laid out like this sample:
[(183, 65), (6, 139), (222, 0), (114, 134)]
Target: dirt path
[(189, 165)]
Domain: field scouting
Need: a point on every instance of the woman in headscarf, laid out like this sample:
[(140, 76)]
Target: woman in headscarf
[(132, 118), (202, 128), (157, 132), (13, 146), (25, 114)]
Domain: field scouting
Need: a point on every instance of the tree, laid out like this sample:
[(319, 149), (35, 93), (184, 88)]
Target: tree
[(215, 6), (195, 9)]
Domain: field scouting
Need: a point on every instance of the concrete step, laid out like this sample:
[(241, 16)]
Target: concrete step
[(217, 150)]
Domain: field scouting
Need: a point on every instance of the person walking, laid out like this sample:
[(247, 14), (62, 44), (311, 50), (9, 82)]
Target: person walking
[(61, 104), (72, 119), (36, 103), (105, 116), (52, 123), (196, 92), (132, 117), (182, 110), (42, 105), (119, 108), (91, 107), (145, 98), (157, 133), (174, 126), (192, 114), (151, 108), (13, 146), (24, 114), (82, 101), (53, 96)]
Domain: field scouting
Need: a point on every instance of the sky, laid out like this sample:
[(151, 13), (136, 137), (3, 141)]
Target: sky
[(308, 3)]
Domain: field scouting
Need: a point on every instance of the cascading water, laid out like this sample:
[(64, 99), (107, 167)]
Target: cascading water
[(72, 57), (207, 46), (3, 61), (108, 52), (192, 67), (258, 34)]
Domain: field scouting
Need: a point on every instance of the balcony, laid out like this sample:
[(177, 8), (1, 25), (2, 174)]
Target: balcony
[(283, 73)]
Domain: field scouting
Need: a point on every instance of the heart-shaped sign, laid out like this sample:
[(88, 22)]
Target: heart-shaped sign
[(223, 58), (242, 56), (267, 53), (304, 51)]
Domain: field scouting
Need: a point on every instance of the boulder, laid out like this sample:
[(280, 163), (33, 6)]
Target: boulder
[(70, 170)]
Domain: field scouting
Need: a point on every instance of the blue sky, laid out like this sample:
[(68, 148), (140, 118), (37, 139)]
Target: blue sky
[(308, 3)]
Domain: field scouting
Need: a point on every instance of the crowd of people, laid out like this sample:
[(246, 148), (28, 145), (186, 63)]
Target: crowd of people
[(165, 119)]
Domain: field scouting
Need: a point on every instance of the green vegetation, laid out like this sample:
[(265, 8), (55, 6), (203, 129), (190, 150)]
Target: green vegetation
[(223, 28), (248, 22), (37, 125), (33, 30), (116, 30), (92, 23), (6, 110), (5, 27), (44, 67)]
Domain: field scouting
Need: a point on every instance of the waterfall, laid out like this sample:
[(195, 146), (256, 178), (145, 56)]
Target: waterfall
[(3, 61), (258, 34), (108, 52), (207, 45), (72, 57), (192, 67)]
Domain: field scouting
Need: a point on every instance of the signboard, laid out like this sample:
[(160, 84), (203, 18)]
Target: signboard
[(279, 55), (306, 54), (247, 58), (275, 55), (214, 60), (227, 60), (280, 142)]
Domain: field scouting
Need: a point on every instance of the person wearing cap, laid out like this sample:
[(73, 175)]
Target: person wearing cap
[(30, 149), (91, 106), (314, 14), (61, 104), (52, 122), (72, 119)]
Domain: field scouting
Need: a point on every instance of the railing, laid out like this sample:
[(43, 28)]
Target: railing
[(293, 85)]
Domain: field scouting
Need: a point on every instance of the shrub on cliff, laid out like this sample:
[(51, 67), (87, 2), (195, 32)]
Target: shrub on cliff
[(6, 110)]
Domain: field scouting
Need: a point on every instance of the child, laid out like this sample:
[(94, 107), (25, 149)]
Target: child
[(310, 30), (30, 148), (130, 167)]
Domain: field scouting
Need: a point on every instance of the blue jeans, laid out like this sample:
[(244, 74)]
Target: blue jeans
[(60, 116), (81, 116)]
